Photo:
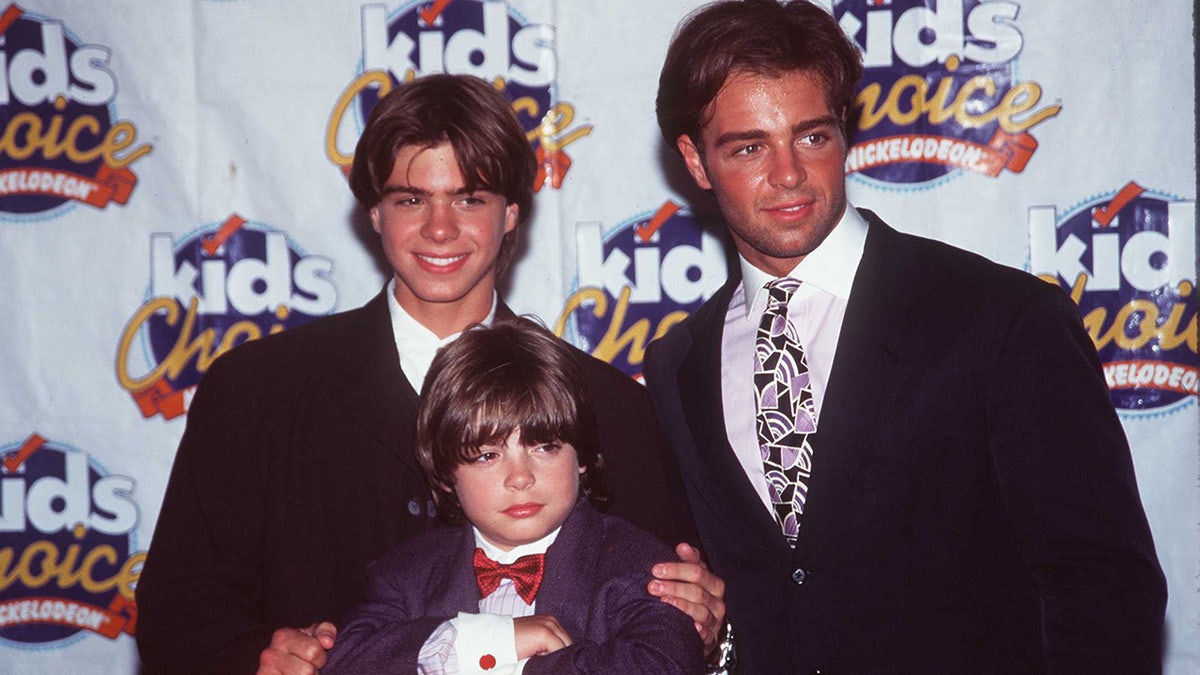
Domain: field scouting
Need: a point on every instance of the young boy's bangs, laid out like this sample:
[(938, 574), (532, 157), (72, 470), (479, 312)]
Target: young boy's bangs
[(493, 381), (542, 414)]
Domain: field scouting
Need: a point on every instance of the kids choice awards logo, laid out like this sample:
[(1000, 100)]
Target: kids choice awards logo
[(61, 141), (484, 38), (228, 283), (940, 94), (1127, 259), (638, 280), (68, 565)]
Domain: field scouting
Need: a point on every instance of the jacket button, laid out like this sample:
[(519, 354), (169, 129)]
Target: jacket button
[(799, 575)]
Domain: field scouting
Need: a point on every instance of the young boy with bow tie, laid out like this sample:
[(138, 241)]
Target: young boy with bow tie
[(536, 580)]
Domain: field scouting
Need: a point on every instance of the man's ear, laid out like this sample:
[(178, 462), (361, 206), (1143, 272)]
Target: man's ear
[(693, 160)]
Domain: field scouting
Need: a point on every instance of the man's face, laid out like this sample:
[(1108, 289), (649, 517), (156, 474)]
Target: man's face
[(515, 493), (774, 155), (441, 239)]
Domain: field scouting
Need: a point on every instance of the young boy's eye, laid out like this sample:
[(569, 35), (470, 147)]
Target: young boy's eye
[(548, 447), (484, 457)]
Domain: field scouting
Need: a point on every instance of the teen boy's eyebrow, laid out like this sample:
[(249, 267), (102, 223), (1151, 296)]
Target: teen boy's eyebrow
[(799, 129), (392, 189)]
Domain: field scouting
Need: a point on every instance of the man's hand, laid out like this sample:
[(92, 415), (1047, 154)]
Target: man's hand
[(539, 634), (297, 651), (695, 591)]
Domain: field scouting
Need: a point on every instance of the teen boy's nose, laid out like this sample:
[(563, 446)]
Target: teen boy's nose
[(440, 224)]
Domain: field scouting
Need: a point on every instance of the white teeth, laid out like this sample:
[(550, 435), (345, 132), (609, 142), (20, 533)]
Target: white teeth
[(441, 261)]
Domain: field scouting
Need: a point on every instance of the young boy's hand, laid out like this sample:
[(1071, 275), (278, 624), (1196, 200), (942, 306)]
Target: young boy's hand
[(539, 634), (695, 591)]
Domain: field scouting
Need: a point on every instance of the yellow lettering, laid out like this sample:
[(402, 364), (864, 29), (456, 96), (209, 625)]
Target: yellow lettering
[(24, 136), (12, 132), (616, 338), (140, 317), (121, 136), (87, 579), (49, 554), (130, 572), (892, 104), (378, 78), (938, 106), (1144, 312)]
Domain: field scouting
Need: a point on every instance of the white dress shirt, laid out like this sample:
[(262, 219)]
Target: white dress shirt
[(416, 344), (457, 646), (816, 310)]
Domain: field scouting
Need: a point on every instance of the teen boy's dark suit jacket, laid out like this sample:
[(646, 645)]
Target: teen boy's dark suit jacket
[(972, 507), (297, 469), (595, 585)]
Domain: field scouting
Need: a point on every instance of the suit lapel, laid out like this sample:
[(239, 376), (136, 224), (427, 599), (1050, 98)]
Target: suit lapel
[(459, 593), (868, 374), (565, 591), (699, 381), (369, 384)]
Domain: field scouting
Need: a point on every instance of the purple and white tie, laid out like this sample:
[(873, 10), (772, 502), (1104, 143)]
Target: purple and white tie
[(786, 413)]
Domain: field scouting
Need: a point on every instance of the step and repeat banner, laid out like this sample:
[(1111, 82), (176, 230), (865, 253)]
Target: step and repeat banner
[(172, 184)]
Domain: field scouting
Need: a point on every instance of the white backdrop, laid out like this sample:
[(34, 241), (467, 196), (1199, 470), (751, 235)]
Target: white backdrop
[(171, 184)]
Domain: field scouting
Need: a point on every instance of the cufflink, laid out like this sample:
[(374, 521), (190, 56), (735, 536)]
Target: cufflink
[(487, 662)]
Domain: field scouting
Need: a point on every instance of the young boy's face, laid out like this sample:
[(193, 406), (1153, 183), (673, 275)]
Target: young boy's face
[(516, 494)]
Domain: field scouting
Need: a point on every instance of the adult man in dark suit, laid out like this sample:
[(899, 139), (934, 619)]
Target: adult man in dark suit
[(296, 468), (904, 458)]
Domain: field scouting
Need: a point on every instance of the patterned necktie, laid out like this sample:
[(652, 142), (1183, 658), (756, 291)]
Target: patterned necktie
[(786, 412), (525, 572)]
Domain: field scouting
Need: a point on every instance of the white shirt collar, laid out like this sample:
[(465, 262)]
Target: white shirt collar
[(830, 267), (509, 557), (404, 325), (417, 345)]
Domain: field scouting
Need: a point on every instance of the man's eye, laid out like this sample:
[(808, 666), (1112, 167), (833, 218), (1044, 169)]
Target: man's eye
[(816, 138), (748, 149)]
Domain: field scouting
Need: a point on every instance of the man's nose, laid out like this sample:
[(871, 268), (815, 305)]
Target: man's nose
[(786, 169)]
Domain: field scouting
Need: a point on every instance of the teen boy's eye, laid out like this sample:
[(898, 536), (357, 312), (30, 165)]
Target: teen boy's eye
[(485, 457), (548, 447)]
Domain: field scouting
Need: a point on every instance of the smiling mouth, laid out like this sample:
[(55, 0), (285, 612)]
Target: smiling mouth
[(441, 261), (523, 510)]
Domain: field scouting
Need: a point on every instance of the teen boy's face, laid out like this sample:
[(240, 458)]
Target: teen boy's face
[(441, 239), (516, 494)]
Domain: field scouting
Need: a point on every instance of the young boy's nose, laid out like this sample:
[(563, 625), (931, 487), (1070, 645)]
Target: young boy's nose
[(520, 474)]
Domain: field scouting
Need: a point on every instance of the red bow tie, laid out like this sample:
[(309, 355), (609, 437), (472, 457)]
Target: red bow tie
[(526, 574)]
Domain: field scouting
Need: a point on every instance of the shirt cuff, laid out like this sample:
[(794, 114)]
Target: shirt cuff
[(487, 644)]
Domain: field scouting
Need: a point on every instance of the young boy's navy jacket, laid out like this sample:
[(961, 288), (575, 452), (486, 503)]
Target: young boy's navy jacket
[(595, 585)]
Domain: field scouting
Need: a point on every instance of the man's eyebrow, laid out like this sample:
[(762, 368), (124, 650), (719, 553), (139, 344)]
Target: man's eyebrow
[(758, 134)]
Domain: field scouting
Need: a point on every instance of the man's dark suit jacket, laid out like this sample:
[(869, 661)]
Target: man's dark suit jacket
[(972, 507), (297, 469), (595, 585)]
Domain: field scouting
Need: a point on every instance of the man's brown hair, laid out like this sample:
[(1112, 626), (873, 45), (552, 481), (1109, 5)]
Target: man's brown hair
[(764, 37), (492, 150), (492, 381)]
